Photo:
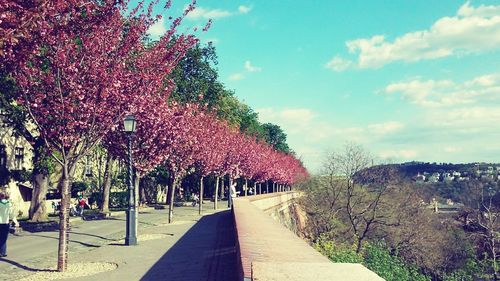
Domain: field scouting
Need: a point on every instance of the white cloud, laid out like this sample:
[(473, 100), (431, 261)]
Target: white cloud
[(452, 149), (485, 11), (385, 128), (236, 77), (471, 30), (158, 29), (452, 121), (200, 12), (338, 64), (251, 68), (207, 13), (244, 9), (248, 67), (401, 154), (310, 135), (440, 93), (470, 119)]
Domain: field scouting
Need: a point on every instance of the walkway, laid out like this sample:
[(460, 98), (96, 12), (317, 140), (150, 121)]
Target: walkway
[(192, 248)]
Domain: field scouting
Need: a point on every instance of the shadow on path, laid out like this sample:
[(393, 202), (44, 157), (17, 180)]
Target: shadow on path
[(206, 252), (72, 241), (123, 219), (24, 267), (92, 235)]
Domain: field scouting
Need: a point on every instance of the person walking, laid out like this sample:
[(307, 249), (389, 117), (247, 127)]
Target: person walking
[(5, 216), (81, 204)]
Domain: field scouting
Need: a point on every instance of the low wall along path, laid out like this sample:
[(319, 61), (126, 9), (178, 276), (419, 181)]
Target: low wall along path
[(268, 251)]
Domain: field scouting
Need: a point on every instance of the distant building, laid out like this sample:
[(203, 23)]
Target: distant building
[(420, 178), (449, 207), (434, 178), (16, 156), (447, 177)]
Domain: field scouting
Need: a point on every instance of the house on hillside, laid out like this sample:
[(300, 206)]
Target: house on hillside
[(434, 178), (419, 178), (448, 177), (449, 207)]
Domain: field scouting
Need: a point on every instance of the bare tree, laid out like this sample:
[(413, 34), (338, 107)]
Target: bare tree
[(484, 210)]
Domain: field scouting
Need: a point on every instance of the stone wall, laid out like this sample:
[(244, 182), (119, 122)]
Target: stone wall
[(267, 250)]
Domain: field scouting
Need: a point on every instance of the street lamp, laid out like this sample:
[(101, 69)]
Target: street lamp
[(131, 232)]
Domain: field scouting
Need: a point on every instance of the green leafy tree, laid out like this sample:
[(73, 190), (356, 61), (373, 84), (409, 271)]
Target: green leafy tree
[(389, 267), (196, 77), (275, 136)]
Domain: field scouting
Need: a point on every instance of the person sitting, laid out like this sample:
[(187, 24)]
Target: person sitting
[(195, 199)]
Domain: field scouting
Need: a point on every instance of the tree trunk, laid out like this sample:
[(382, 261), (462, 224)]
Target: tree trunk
[(221, 187), (230, 193), (38, 209), (260, 187), (216, 192), (62, 254), (359, 244), (174, 184), (246, 187), (267, 186), (143, 195), (169, 190), (200, 206), (106, 188)]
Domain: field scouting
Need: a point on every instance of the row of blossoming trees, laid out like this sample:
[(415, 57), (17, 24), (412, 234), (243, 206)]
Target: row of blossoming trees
[(80, 66), (186, 137)]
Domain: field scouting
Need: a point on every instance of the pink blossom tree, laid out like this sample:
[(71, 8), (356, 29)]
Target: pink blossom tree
[(210, 158), (78, 83)]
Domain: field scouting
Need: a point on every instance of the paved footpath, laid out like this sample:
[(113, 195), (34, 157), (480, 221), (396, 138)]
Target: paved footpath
[(191, 248)]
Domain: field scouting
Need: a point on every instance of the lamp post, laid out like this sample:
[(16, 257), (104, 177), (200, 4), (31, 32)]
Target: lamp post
[(131, 232)]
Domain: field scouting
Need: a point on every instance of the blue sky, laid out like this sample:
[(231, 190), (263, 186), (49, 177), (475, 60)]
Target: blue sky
[(408, 80)]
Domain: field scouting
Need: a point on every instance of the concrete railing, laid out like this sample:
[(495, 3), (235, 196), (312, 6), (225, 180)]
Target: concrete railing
[(269, 251)]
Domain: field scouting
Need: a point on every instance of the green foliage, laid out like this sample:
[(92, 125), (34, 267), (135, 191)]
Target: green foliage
[(94, 197), (21, 175), (43, 163), (196, 81), (338, 253), (118, 199), (274, 135), (391, 268), (4, 176), (120, 181), (196, 75), (160, 175), (375, 257), (78, 186)]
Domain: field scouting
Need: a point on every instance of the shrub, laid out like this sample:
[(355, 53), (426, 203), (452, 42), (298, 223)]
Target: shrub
[(118, 199), (78, 186), (337, 253), (391, 268)]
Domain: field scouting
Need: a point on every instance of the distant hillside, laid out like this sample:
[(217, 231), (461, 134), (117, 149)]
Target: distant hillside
[(422, 171), (444, 180)]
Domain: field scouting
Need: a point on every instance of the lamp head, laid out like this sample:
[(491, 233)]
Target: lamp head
[(129, 124)]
